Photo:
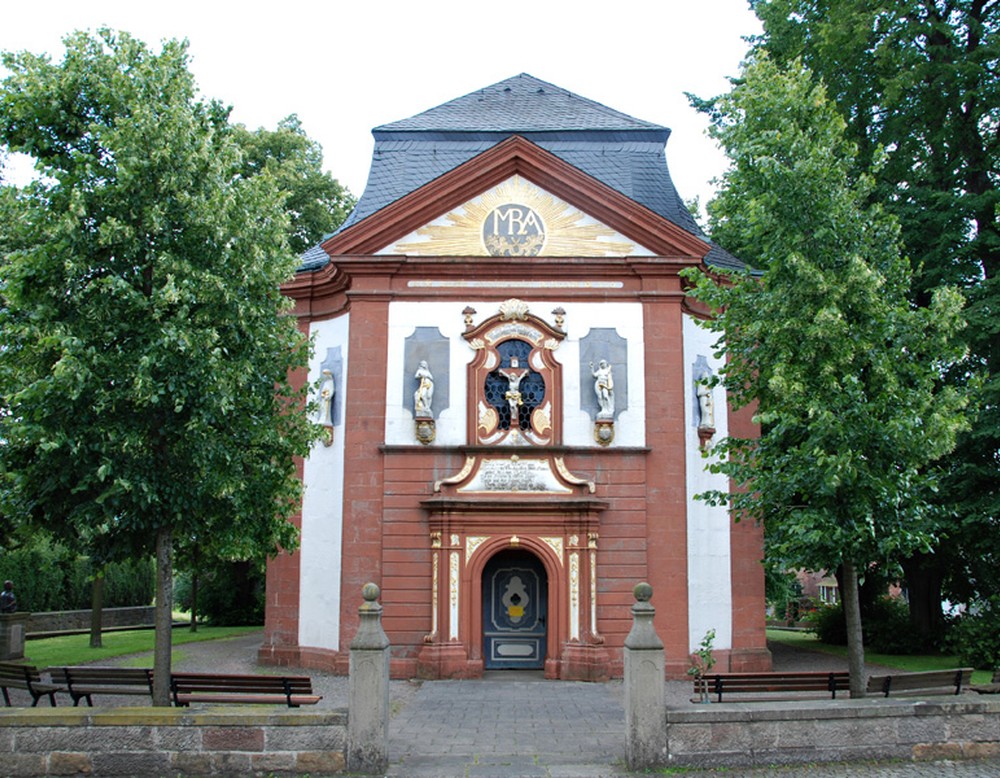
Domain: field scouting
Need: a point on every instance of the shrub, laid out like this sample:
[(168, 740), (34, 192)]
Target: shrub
[(827, 622), (132, 582), (885, 626), (40, 573), (975, 636), (48, 576)]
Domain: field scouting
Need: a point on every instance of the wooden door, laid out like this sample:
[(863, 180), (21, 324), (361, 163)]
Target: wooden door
[(515, 604)]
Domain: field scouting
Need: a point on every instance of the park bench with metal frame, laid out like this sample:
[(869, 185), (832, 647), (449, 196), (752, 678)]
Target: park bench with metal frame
[(82, 682), (292, 691), (762, 686), (27, 677), (920, 683)]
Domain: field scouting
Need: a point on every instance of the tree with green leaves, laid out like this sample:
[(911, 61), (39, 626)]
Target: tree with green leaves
[(315, 201), (145, 346), (844, 372), (918, 86)]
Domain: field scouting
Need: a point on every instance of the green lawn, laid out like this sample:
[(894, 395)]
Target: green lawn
[(910, 663), (75, 649)]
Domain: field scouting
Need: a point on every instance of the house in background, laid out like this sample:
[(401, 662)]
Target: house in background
[(510, 376)]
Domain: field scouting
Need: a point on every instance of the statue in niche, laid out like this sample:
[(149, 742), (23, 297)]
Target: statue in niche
[(706, 404), (604, 388), (326, 390), (424, 395)]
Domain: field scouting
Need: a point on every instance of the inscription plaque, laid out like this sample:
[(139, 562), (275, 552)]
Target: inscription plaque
[(515, 475)]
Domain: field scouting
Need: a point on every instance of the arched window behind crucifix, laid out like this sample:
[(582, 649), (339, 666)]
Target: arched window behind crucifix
[(514, 389)]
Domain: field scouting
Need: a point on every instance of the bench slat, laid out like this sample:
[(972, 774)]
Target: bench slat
[(83, 682), (211, 688), (27, 677), (929, 682), (250, 699), (721, 684)]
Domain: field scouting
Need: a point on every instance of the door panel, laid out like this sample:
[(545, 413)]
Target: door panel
[(515, 604)]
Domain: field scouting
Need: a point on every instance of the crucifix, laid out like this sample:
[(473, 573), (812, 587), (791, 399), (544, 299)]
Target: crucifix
[(514, 375)]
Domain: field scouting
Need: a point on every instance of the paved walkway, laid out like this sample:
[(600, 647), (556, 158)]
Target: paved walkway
[(510, 725), (517, 725), (530, 728)]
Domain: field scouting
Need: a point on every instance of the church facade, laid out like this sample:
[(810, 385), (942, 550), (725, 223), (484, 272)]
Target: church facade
[(511, 381)]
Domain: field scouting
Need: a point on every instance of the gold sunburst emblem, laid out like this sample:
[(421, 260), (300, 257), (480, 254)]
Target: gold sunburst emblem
[(517, 219)]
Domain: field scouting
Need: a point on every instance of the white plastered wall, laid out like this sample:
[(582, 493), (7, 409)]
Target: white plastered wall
[(710, 599), (450, 424), (321, 546), (404, 318)]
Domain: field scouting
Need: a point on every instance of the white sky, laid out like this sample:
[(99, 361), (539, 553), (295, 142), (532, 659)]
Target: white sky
[(346, 67)]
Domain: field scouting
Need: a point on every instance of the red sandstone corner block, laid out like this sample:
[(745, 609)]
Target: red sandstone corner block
[(233, 739)]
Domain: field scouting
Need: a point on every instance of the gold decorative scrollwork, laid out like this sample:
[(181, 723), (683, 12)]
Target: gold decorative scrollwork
[(541, 419), (574, 596), (460, 476), (572, 479), (556, 544), (488, 418), (472, 543)]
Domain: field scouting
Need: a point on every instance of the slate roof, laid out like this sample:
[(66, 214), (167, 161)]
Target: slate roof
[(624, 153)]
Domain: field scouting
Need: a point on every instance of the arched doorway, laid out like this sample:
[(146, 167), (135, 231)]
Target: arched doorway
[(515, 610)]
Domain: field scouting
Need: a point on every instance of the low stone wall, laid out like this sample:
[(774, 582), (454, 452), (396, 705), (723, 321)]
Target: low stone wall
[(171, 741), (729, 734), (58, 621)]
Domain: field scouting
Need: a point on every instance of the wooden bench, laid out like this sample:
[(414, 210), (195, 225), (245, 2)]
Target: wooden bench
[(792, 684), (993, 687), (82, 682), (18, 676), (292, 691), (929, 682)]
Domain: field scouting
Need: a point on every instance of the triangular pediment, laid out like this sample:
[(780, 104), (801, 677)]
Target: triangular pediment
[(516, 218), (584, 216)]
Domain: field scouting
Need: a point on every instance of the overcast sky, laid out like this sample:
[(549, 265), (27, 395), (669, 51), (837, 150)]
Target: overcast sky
[(346, 67)]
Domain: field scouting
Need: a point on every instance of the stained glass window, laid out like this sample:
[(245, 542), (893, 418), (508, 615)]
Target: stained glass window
[(514, 383)]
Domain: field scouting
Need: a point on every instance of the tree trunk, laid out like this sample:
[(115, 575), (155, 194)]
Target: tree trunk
[(195, 567), (96, 607), (163, 618), (923, 586), (194, 600), (855, 641)]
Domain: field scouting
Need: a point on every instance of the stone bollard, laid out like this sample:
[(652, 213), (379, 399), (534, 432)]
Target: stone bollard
[(368, 690), (13, 627), (645, 698)]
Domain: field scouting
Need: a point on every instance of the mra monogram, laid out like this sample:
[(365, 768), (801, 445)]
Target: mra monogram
[(513, 231)]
